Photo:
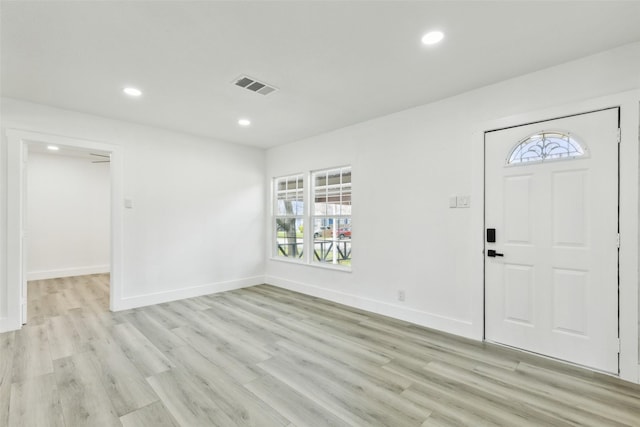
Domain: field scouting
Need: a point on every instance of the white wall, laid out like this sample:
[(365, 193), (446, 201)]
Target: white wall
[(199, 217), (198, 205), (414, 160), (68, 214)]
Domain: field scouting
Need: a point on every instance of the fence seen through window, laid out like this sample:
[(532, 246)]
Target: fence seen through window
[(289, 216), (331, 216)]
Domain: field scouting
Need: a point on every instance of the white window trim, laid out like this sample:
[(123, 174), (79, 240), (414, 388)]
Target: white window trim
[(308, 242), (311, 217), (274, 218)]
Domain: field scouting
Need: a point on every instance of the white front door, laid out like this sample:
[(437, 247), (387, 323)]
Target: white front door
[(551, 276)]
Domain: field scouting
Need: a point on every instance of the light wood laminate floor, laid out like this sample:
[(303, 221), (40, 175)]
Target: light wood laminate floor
[(264, 356)]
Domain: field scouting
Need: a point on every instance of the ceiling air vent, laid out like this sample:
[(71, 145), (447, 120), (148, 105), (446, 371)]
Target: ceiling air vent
[(253, 85)]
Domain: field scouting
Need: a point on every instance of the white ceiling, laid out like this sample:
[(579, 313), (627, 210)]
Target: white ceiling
[(335, 63)]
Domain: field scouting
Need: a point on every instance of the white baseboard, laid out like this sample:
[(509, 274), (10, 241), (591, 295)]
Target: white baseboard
[(183, 293), (7, 324), (429, 320), (68, 272)]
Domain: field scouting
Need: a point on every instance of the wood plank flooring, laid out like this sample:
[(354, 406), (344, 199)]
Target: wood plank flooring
[(264, 356)]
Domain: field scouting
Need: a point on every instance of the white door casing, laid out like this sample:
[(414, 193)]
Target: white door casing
[(24, 233), (16, 190), (555, 290)]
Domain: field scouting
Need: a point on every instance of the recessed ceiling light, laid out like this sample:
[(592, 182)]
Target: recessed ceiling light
[(52, 148), (244, 122), (432, 37), (132, 91)]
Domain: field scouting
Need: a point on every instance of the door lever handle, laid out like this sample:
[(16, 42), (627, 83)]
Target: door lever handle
[(492, 253)]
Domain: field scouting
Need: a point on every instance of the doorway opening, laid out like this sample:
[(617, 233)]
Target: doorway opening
[(19, 142), (67, 245)]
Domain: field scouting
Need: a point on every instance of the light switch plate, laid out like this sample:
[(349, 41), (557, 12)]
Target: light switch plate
[(464, 201), (453, 202), (128, 203)]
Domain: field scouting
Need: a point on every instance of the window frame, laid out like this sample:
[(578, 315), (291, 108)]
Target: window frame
[(336, 219), (572, 140), (275, 215)]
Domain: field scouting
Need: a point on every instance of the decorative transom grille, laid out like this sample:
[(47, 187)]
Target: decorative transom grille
[(542, 146)]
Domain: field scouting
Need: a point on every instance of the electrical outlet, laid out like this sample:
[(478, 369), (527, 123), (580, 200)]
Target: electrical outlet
[(400, 295)]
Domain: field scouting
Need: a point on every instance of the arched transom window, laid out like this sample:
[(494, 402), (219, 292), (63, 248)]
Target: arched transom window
[(547, 145)]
